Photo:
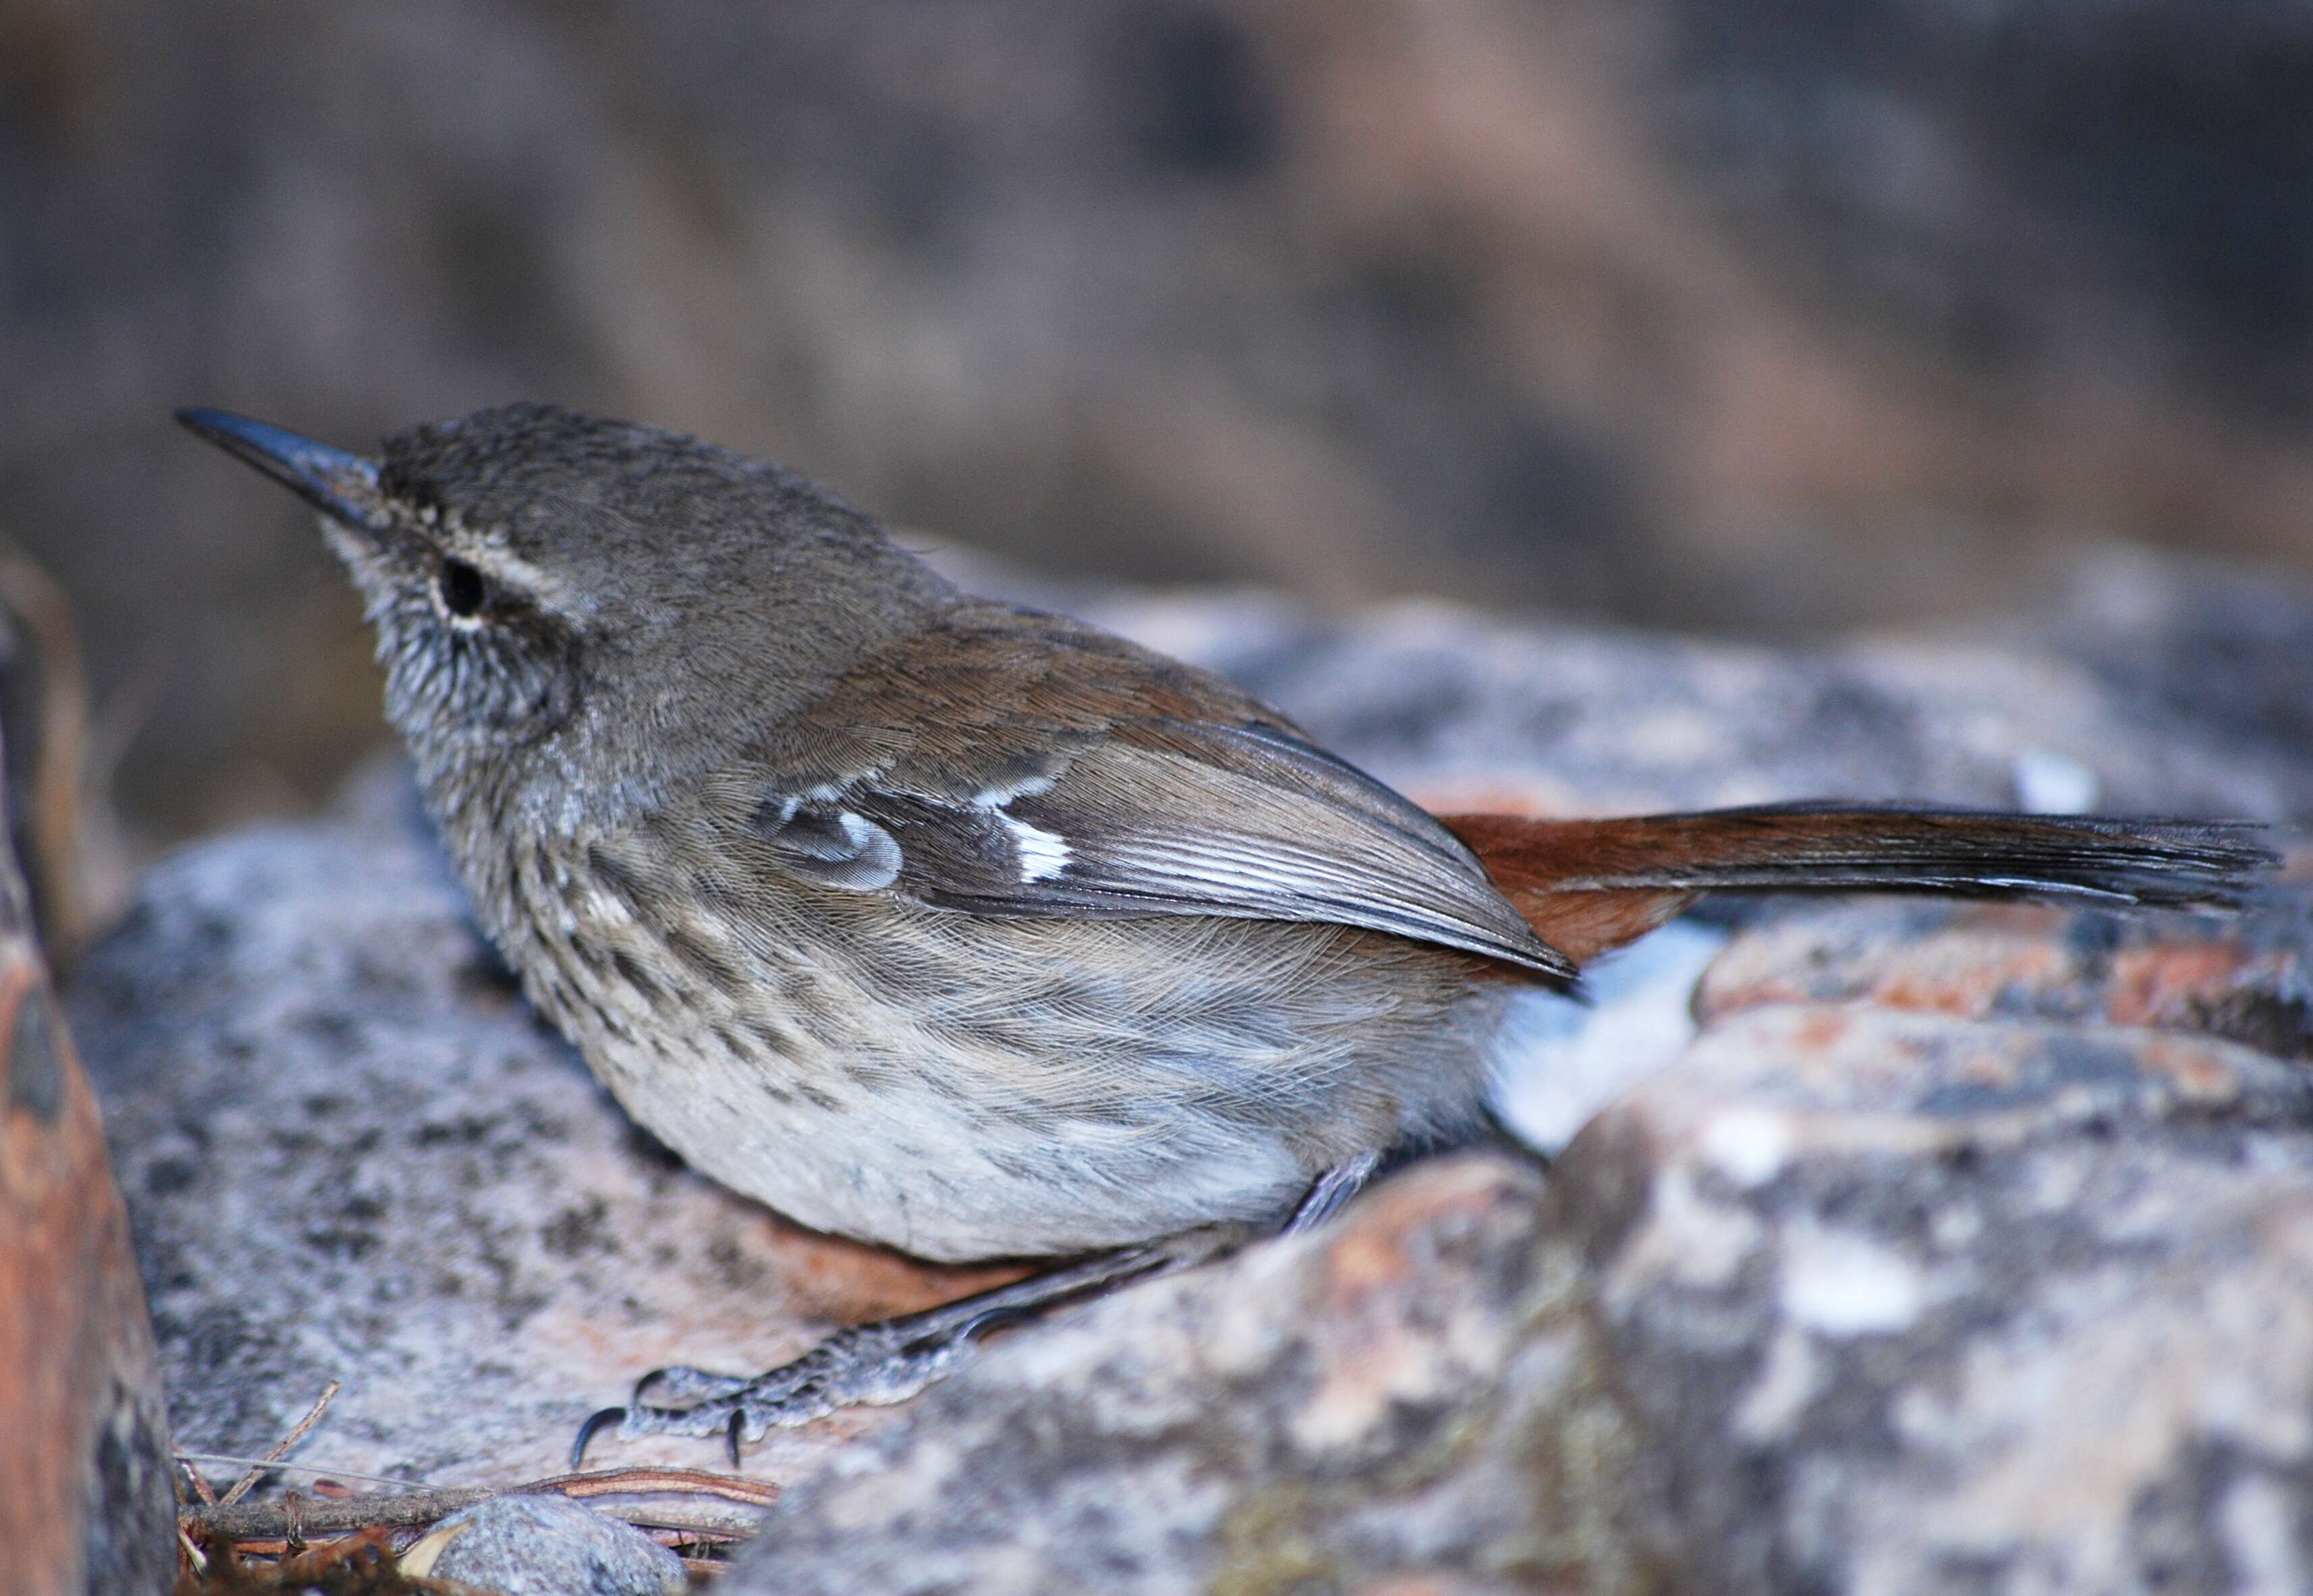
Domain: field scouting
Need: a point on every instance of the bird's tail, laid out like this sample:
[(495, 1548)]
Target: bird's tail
[(1587, 886)]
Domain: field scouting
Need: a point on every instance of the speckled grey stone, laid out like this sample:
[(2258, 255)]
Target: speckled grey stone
[(551, 1546)]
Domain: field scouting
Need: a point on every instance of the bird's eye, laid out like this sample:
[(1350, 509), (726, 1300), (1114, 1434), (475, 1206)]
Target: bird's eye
[(463, 589)]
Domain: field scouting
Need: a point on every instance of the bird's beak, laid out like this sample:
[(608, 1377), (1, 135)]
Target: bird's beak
[(341, 486)]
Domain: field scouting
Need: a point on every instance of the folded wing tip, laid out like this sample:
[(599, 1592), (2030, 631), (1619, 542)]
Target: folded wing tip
[(1545, 960)]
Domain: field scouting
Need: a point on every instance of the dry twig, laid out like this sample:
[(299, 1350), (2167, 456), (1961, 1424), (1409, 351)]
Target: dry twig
[(185, 1461), (248, 1481), (328, 1472), (409, 1510)]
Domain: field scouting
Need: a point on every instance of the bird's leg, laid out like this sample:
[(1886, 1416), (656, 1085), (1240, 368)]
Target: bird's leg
[(891, 1360), (1330, 1189), (886, 1361)]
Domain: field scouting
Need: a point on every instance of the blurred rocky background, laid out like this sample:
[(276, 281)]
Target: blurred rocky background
[(1761, 319)]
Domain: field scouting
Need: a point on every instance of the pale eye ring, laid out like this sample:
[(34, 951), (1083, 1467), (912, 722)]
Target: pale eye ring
[(463, 589)]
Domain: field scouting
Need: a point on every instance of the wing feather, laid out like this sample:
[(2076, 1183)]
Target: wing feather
[(1213, 806)]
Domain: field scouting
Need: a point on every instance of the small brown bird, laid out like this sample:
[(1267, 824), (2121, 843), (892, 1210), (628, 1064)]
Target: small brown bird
[(974, 930)]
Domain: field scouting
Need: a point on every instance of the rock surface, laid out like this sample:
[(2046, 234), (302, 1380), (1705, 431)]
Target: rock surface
[(545, 1545), (87, 1502), (1345, 1403), (1960, 1247), (1903, 1302)]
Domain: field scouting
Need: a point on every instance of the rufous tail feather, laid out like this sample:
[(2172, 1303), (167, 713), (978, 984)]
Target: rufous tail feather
[(1589, 886)]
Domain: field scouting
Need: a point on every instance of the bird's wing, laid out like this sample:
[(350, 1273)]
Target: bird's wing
[(1015, 764)]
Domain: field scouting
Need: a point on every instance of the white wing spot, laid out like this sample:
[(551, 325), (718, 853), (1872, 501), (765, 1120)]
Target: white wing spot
[(1042, 854), (876, 857)]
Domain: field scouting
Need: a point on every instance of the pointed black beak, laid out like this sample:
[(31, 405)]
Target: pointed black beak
[(340, 485)]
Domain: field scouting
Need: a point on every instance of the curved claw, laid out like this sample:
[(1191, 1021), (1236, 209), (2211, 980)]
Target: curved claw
[(635, 1397), (972, 1329), (596, 1422), (732, 1434)]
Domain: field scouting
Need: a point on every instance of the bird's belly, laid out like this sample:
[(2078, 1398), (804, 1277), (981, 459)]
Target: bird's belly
[(908, 1165), (961, 1088)]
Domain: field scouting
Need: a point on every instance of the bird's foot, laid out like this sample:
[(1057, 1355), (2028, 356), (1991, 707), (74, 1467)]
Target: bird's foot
[(871, 1364), (867, 1365)]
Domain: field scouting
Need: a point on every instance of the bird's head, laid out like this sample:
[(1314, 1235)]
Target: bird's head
[(618, 605)]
